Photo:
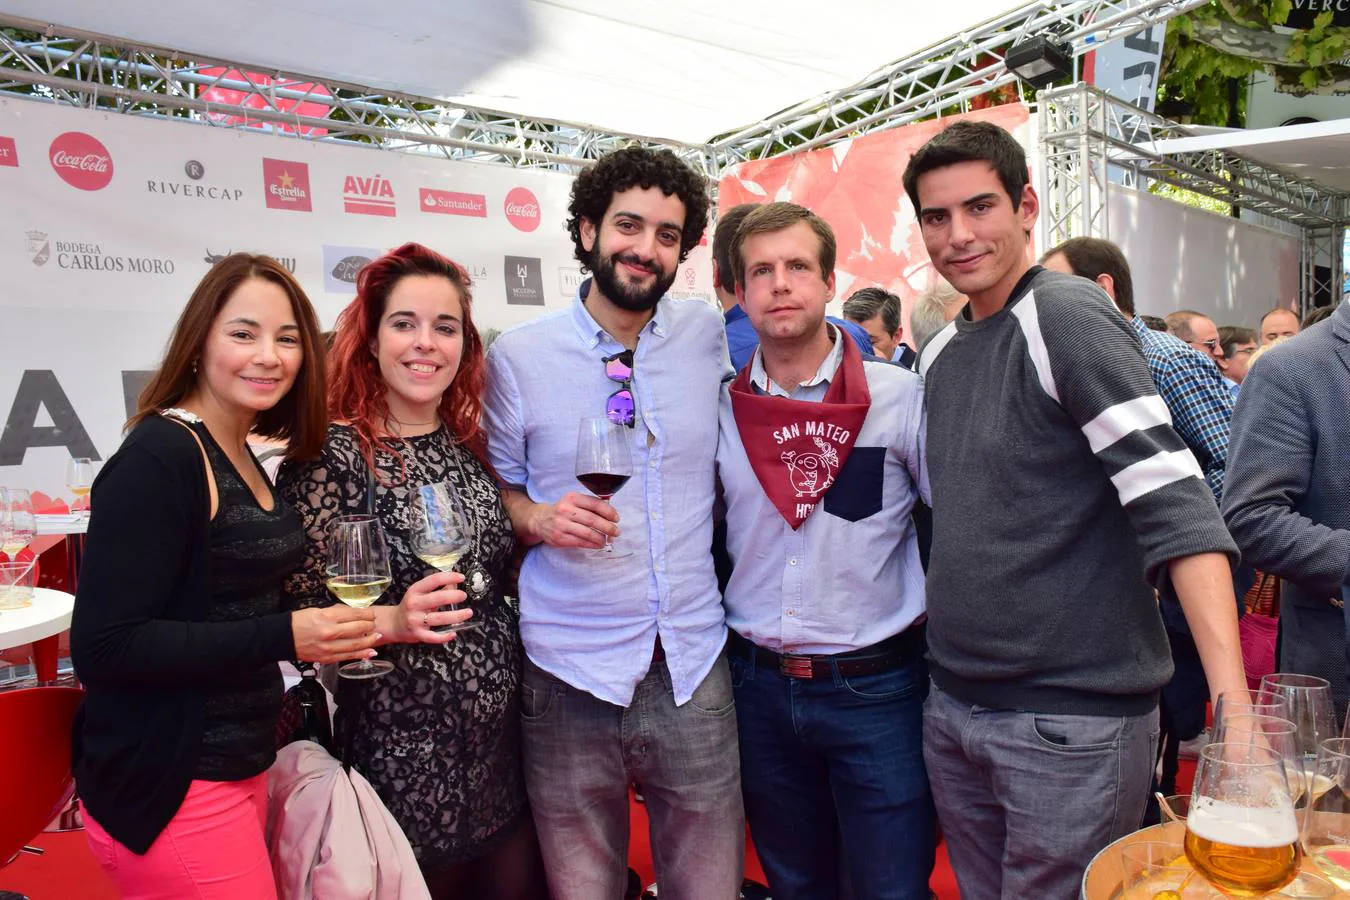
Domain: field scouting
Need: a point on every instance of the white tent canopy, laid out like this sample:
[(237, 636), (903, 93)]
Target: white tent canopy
[(686, 70), (1316, 151)]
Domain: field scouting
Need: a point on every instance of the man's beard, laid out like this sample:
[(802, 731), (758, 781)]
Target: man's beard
[(623, 294)]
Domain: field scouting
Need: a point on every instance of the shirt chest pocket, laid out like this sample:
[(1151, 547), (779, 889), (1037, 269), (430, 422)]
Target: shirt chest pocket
[(859, 488)]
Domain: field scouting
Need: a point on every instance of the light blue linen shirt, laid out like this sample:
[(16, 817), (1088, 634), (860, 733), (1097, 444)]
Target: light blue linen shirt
[(593, 622), (850, 576)]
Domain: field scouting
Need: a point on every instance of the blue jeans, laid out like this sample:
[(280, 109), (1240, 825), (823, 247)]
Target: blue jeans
[(834, 782), (1026, 800), (582, 753)]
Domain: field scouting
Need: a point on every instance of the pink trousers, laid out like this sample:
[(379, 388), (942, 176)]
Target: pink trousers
[(212, 849)]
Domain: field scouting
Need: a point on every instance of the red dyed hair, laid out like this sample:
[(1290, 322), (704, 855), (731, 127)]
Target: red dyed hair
[(356, 391)]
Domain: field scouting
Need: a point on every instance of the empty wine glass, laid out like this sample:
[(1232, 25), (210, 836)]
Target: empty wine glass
[(80, 479), (19, 525), (1309, 708), (358, 573), (1260, 702), (1241, 832), (441, 534), (604, 465)]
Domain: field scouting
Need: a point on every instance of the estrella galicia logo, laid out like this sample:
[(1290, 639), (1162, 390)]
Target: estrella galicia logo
[(524, 281), (39, 248), (341, 265)]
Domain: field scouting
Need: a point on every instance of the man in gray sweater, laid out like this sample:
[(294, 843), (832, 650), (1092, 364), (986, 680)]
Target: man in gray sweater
[(1062, 498)]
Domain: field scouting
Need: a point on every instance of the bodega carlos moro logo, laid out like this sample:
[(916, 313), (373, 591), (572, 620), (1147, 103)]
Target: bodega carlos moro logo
[(81, 161)]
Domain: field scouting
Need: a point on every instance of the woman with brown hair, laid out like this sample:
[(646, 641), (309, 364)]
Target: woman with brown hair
[(438, 736), (178, 623)]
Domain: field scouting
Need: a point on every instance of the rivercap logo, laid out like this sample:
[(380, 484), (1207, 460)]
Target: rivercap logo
[(194, 170), (522, 209), (81, 161), (39, 248), (368, 196), (286, 184), (452, 203), (341, 265), (9, 152)]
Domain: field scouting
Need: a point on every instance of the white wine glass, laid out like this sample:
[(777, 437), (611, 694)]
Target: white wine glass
[(1242, 835), (80, 480), (604, 465), (20, 525), (1326, 820), (358, 573), (441, 534)]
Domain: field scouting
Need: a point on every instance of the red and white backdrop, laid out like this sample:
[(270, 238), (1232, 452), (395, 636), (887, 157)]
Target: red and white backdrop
[(856, 186), (109, 221)]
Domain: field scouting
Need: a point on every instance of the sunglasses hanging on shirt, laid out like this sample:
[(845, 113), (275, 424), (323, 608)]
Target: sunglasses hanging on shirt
[(619, 408)]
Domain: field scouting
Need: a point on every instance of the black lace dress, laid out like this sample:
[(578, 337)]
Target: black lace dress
[(438, 737)]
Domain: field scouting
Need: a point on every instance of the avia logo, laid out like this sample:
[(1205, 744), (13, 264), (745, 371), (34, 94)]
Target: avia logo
[(452, 203), (522, 209), (368, 196), (81, 161), (9, 152), (286, 184)]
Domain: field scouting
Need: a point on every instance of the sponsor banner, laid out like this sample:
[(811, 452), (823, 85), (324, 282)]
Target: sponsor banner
[(524, 280), (452, 203), (341, 265), (81, 161), (368, 196), (287, 184), (117, 218)]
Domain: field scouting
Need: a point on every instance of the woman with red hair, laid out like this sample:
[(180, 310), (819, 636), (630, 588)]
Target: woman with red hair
[(438, 736)]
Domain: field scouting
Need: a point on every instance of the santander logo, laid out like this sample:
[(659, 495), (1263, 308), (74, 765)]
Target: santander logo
[(522, 209), (81, 161)]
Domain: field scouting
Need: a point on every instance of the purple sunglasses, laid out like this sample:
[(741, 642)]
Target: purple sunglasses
[(619, 407)]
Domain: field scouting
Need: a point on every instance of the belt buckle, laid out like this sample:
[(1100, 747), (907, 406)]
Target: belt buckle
[(796, 666)]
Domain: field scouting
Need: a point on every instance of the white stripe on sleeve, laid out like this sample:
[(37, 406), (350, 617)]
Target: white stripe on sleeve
[(1114, 423), (1029, 318), (1159, 470)]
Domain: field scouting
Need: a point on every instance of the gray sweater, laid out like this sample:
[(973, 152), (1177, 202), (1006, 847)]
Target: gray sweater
[(1060, 493)]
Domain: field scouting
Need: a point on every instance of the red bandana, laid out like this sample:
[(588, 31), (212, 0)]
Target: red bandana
[(797, 447)]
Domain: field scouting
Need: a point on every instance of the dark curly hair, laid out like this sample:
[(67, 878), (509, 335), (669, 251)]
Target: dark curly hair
[(644, 168)]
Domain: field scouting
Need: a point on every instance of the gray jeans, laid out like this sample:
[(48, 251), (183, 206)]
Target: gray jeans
[(582, 753), (1025, 800)]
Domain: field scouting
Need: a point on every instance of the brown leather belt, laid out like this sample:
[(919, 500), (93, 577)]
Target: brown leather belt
[(883, 656)]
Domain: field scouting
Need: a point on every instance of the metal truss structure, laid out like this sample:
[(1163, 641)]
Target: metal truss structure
[(945, 76), (1091, 142), (98, 72)]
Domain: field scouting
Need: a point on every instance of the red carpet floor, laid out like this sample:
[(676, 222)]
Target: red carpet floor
[(68, 870)]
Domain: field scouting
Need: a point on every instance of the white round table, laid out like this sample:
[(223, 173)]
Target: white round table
[(40, 624)]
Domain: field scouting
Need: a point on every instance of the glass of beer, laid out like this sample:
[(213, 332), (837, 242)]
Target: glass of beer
[(1241, 833), (1326, 820), (357, 574)]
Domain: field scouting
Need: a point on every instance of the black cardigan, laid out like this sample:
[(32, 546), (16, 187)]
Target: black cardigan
[(139, 637)]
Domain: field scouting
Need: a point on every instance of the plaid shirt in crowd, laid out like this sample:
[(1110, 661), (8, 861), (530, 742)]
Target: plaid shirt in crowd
[(1194, 391)]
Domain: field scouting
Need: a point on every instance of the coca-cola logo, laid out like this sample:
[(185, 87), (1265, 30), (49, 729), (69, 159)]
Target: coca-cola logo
[(522, 209), (81, 161)]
